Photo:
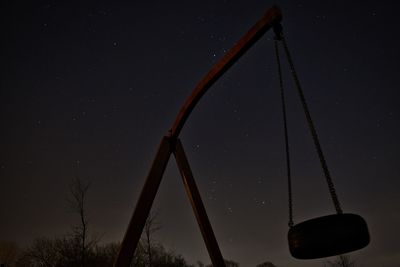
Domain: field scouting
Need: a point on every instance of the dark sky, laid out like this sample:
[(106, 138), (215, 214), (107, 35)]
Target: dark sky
[(91, 88)]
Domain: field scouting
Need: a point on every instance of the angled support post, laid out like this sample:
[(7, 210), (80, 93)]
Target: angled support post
[(198, 206), (143, 206)]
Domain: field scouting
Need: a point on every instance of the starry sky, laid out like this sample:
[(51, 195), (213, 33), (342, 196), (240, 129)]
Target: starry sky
[(89, 89)]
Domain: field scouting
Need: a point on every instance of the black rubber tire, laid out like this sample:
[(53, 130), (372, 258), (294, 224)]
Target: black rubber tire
[(328, 236)]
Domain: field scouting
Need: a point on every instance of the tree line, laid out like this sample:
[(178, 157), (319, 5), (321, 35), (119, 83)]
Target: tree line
[(78, 249)]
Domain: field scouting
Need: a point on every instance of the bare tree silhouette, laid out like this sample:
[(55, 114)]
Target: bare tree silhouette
[(77, 200), (341, 261), (152, 225), (266, 264)]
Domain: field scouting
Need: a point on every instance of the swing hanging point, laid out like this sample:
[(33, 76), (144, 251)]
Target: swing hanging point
[(327, 235)]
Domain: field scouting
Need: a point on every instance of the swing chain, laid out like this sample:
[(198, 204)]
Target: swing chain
[(288, 169), (280, 37)]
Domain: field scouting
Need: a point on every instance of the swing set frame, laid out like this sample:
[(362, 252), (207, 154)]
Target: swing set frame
[(315, 238), (171, 144)]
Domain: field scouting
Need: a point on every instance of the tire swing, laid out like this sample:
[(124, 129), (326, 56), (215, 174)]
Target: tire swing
[(324, 236)]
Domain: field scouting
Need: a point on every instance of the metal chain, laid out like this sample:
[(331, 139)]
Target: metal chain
[(282, 91), (312, 129)]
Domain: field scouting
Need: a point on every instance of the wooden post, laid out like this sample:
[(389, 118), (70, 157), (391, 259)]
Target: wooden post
[(143, 206), (198, 206)]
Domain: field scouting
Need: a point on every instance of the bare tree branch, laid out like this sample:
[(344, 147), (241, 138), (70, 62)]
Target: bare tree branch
[(77, 201), (341, 261)]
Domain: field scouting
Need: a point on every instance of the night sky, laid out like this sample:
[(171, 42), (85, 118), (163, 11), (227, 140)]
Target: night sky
[(90, 89)]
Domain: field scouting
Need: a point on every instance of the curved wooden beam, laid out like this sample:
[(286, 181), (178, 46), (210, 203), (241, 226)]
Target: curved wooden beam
[(272, 17)]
